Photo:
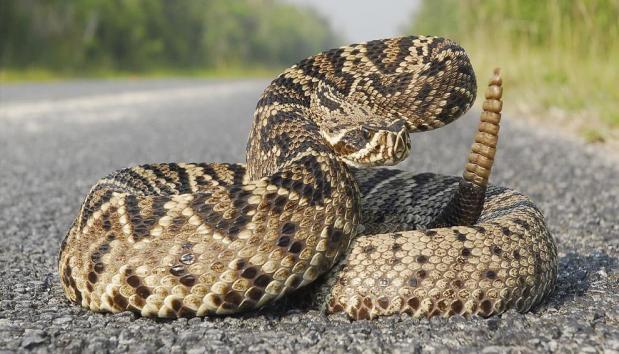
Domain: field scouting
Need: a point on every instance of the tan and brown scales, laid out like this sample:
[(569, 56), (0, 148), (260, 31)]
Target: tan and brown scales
[(193, 239)]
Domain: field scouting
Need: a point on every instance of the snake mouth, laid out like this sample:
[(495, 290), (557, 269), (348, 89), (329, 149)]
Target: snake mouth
[(402, 146), (385, 148), (395, 147)]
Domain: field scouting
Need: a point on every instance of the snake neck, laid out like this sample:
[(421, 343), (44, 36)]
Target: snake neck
[(285, 140), (283, 130), (426, 82)]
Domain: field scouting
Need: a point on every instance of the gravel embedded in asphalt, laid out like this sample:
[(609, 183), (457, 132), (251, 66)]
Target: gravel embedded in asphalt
[(57, 139)]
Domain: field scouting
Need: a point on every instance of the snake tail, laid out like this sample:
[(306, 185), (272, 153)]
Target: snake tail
[(467, 203)]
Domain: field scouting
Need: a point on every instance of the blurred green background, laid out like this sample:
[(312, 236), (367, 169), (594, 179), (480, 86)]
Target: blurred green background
[(148, 37), (560, 57)]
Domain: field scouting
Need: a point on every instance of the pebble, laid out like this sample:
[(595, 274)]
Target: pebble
[(32, 338), (62, 320)]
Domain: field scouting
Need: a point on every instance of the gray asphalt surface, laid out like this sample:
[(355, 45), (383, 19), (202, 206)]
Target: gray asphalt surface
[(57, 139)]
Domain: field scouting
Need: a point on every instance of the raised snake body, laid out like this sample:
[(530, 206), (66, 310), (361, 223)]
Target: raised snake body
[(173, 240)]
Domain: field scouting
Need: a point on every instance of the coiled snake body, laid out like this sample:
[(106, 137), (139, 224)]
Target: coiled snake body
[(185, 239)]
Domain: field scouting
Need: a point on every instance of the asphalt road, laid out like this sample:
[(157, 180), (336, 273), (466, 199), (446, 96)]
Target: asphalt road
[(57, 139)]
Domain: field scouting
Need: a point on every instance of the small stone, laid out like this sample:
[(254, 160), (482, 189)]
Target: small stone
[(612, 344), (552, 345), (194, 321), (32, 338), (62, 320), (493, 323), (196, 350)]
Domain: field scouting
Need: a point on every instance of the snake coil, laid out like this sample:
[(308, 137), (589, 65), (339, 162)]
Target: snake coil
[(195, 239)]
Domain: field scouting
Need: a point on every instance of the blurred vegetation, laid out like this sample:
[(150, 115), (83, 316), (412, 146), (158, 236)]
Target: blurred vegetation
[(560, 57), (57, 38)]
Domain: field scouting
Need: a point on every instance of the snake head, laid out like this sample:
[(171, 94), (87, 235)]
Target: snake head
[(358, 134), (371, 145)]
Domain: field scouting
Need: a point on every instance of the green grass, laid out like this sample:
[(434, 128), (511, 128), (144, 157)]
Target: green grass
[(10, 76), (576, 93), (559, 57)]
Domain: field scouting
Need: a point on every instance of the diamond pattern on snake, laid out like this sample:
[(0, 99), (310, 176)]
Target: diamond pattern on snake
[(312, 200)]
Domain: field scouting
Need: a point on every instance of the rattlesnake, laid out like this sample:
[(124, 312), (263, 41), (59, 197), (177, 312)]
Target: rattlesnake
[(189, 239)]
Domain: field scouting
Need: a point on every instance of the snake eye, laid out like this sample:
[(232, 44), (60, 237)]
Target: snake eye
[(366, 133)]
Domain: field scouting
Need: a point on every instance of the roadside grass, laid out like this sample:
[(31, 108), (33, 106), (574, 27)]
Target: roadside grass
[(577, 94), (559, 57), (12, 76)]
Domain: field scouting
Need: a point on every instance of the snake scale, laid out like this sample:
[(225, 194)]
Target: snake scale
[(196, 239)]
